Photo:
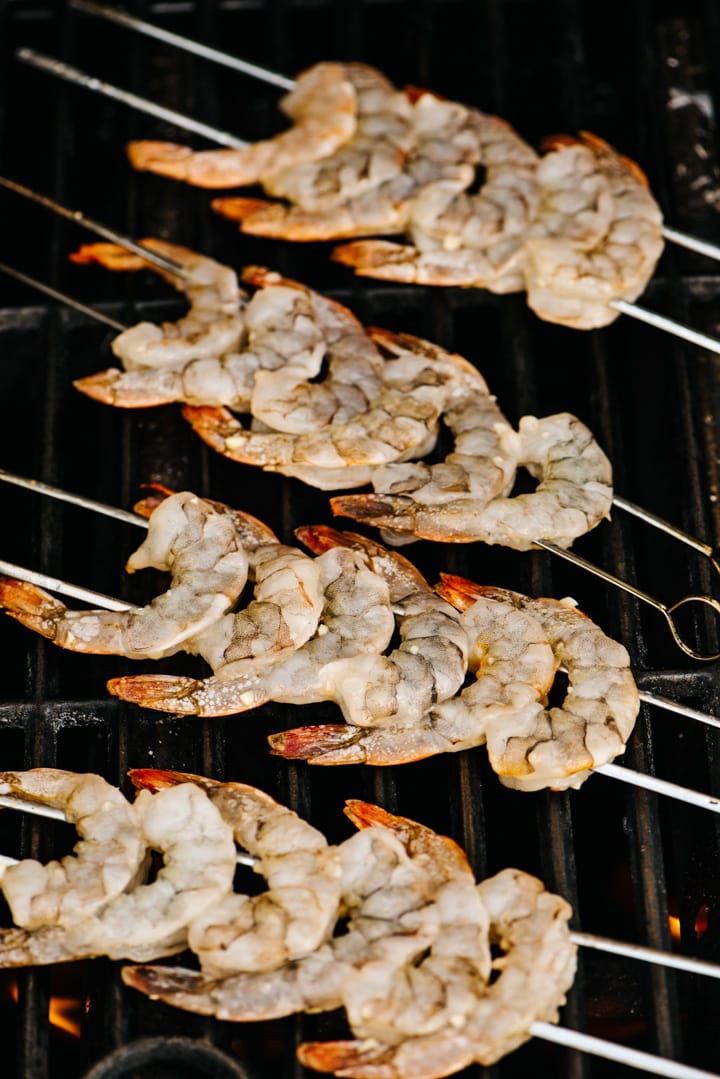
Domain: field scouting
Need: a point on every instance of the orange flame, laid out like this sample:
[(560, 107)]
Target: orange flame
[(64, 1013), (674, 926)]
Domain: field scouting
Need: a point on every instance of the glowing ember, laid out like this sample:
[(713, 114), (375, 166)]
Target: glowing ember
[(64, 1013), (701, 921), (674, 926)]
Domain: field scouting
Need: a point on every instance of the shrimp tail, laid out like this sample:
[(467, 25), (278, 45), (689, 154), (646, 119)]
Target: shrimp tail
[(331, 743), (461, 592), (31, 606), (356, 1059), (380, 259), (380, 510), (213, 425), (173, 985), (111, 256), (162, 692)]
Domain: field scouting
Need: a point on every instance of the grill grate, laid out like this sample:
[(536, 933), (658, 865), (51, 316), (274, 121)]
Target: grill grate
[(624, 859)]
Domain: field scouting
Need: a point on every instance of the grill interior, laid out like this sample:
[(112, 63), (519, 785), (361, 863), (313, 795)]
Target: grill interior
[(639, 73)]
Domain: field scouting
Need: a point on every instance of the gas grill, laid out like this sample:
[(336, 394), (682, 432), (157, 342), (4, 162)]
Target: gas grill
[(633, 865)]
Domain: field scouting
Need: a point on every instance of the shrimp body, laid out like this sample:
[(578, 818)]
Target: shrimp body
[(574, 273), (209, 568), (417, 385), (356, 618), (573, 495), (431, 661), (513, 666), (530, 926), (295, 915), (213, 326), (323, 106), (105, 861), (150, 920)]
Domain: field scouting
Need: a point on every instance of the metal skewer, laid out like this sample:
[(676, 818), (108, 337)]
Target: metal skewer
[(274, 78), (622, 1054), (62, 297), (79, 218), (668, 611), (626, 775), (81, 78)]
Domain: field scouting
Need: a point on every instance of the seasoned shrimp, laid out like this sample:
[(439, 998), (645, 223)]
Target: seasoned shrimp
[(514, 667), (428, 666), (417, 385), (356, 619), (412, 908), (530, 926), (573, 280), (104, 862), (573, 495), (558, 747), (186, 536), (151, 920), (322, 106), (213, 326), (298, 911)]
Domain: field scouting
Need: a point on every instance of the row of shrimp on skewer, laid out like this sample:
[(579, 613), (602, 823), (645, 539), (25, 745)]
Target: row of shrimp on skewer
[(323, 629), (434, 970), (575, 227), (363, 419)]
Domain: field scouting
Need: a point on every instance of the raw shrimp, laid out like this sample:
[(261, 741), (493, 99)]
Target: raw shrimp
[(583, 230), (573, 279), (417, 385), (284, 397), (104, 862), (356, 619), (483, 463), (530, 926), (514, 667), (445, 149), (323, 106), (431, 661), (407, 892), (298, 911), (518, 644), (573, 495), (284, 323), (558, 747), (186, 536), (213, 326), (151, 920)]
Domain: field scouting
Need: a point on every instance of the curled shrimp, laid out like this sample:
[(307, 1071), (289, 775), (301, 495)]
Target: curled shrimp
[(288, 398), (411, 908), (150, 920), (513, 666), (417, 385), (573, 495), (213, 326), (356, 619), (444, 149), (298, 911), (517, 646), (428, 666), (537, 967), (558, 747), (283, 323), (209, 568), (322, 106), (104, 862), (573, 274), (483, 462)]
